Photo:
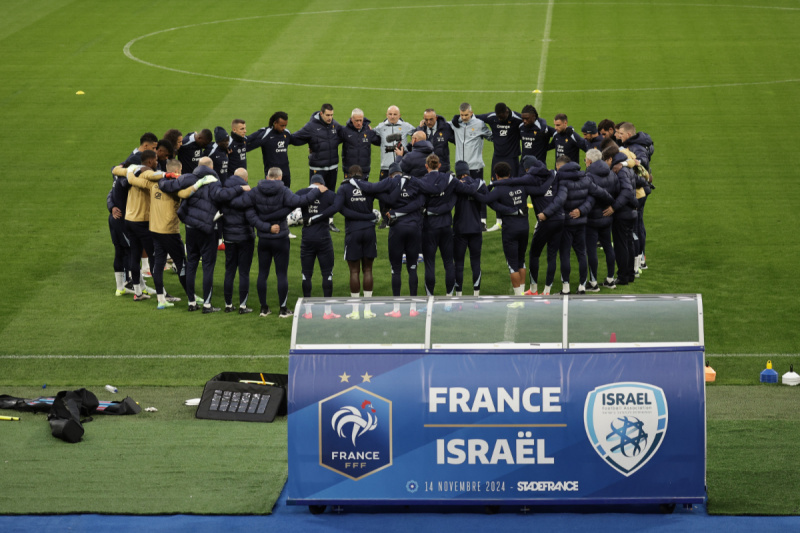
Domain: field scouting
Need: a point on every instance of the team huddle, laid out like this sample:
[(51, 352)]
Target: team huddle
[(429, 207)]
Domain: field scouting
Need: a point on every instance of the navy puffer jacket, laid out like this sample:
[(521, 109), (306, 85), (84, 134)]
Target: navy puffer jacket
[(269, 203), (200, 209), (413, 163), (235, 227), (323, 140), (601, 175), (581, 193)]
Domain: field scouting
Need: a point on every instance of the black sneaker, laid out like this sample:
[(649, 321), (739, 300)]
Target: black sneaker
[(620, 281), (193, 307), (170, 298), (209, 309), (129, 286), (592, 287), (229, 309), (642, 266), (610, 284), (581, 292), (265, 311), (285, 313), (333, 228), (483, 227), (245, 310), (383, 224)]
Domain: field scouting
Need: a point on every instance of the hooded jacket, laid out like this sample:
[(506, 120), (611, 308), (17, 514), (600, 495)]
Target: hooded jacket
[(413, 162), (582, 193), (625, 204), (200, 209), (642, 145), (235, 227), (269, 203), (323, 141), (601, 175)]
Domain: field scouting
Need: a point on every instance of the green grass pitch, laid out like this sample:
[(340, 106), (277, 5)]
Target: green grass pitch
[(715, 84)]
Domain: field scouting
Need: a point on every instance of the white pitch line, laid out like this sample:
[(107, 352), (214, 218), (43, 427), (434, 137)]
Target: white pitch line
[(144, 356), (543, 59), (127, 51)]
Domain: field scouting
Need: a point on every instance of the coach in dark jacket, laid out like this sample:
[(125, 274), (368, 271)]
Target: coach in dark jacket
[(581, 194), (239, 242), (267, 207), (321, 134), (439, 133), (198, 213), (598, 226), (357, 140)]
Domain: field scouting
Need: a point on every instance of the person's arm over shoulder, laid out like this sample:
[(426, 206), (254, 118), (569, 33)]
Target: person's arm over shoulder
[(600, 193), (256, 139), (558, 200), (301, 136), (329, 211), (539, 190), (290, 199), (486, 132), (141, 183)]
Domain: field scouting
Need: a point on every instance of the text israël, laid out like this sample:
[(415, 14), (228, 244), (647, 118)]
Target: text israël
[(524, 450)]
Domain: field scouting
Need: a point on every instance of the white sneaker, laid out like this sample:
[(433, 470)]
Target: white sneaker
[(496, 227), (292, 235), (565, 288)]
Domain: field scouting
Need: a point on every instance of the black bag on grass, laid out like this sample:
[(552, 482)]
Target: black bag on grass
[(68, 408), (244, 396)]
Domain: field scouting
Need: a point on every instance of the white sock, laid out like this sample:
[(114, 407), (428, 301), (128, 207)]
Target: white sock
[(137, 289), (458, 293), (367, 294), (581, 288), (476, 292), (120, 277), (145, 263), (354, 295), (328, 310), (413, 306), (534, 288), (162, 298), (367, 307), (193, 302), (519, 290), (483, 221), (207, 305), (609, 280), (330, 220), (546, 289)]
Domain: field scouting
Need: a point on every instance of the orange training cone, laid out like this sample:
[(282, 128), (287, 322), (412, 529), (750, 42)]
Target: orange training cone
[(711, 374), (613, 338)]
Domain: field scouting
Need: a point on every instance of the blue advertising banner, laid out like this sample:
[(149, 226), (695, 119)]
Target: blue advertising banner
[(497, 428)]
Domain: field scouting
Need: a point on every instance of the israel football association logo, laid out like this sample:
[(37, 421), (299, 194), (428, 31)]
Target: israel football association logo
[(355, 433), (626, 423)]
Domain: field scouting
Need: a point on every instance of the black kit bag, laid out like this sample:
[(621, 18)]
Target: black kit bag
[(65, 415), (244, 396)]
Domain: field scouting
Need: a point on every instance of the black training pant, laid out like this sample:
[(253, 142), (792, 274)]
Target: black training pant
[(622, 230), (122, 245), (238, 256), (461, 243), (404, 239), (200, 244), (328, 175), (168, 244), (141, 239), (593, 235), (574, 237), (547, 232), (269, 250), (310, 252), (441, 239)]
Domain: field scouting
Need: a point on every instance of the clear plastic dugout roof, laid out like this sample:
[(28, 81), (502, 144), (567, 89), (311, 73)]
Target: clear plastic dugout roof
[(504, 323)]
